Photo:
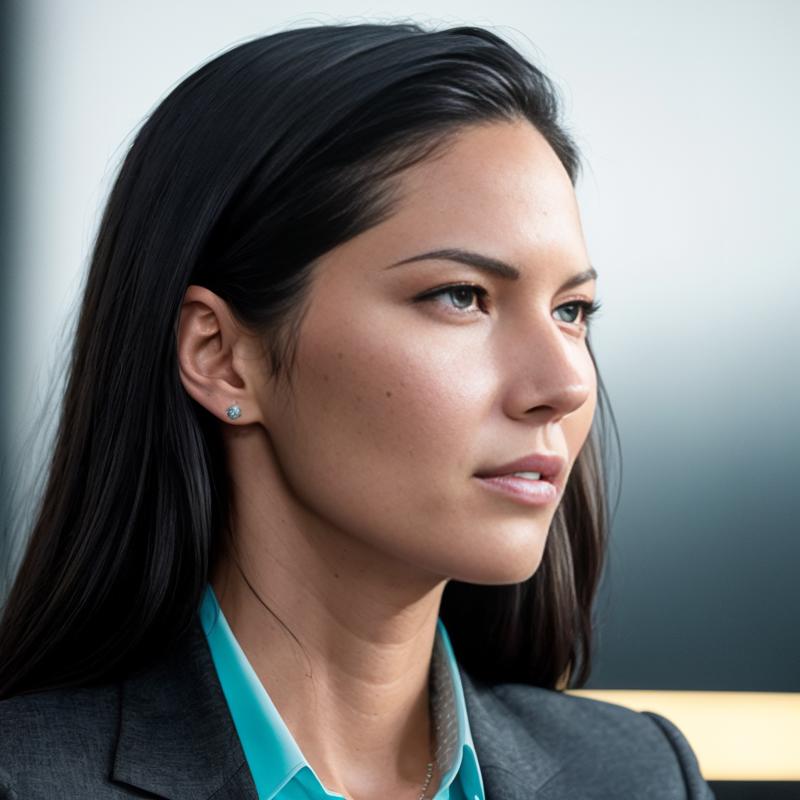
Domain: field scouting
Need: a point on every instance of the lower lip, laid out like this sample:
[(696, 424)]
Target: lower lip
[(528, 492)]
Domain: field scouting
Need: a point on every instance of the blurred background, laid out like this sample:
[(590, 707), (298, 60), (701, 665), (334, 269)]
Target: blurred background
[(687, 118)]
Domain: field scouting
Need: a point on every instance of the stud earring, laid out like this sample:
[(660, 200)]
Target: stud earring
[(234, 412)]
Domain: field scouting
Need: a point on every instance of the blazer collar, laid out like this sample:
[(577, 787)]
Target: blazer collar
[(512, 762), (177, 739)]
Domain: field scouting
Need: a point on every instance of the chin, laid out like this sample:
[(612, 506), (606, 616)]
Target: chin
[(503, 565)]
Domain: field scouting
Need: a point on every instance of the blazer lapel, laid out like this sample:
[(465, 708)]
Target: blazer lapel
[(177, 739), (513, 764)]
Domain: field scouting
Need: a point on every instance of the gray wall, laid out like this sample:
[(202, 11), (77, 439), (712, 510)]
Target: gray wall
[(687, 116)]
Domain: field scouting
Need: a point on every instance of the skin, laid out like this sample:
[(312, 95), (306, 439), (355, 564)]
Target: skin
[(354, 497)]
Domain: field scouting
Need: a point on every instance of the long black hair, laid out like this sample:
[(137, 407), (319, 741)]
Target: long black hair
[(255, 165)]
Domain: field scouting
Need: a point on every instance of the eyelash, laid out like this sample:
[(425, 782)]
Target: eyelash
[(588, 308)]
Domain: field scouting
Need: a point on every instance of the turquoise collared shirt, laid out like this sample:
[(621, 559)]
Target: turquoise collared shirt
[(279, 768)]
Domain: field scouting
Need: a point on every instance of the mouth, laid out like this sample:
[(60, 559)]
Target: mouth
[(533, 468)]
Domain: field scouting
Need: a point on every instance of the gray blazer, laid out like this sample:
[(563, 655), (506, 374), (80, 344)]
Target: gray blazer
[(167, 732)]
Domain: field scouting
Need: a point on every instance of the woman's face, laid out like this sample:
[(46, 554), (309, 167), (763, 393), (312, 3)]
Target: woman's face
[(398, 402)]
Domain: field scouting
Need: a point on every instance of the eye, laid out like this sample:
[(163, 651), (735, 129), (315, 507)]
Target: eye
[(577, 306), (462, 293)]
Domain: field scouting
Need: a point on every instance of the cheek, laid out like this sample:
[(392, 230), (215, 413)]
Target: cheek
[(391, 407), (380, 434)]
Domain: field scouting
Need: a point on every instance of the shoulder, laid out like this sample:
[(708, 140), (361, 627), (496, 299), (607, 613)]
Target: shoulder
[(58, 741), (162, 729), (602, 744), (592, 723)]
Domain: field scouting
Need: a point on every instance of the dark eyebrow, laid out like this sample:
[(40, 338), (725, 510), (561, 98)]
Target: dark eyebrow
[(491, 266)]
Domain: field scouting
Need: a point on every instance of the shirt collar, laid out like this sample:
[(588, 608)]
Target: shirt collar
[(273, 755)]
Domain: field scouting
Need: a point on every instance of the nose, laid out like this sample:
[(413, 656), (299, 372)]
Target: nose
[(550, 373)]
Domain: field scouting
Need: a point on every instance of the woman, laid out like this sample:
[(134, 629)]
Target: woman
[(326, 512)]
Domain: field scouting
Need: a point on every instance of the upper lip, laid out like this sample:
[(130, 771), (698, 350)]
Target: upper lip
[(550, 465)]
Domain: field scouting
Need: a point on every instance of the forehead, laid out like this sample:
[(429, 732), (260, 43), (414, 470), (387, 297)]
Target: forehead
[(500, 183)]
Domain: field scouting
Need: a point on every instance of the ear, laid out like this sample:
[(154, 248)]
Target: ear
[(220, 364)]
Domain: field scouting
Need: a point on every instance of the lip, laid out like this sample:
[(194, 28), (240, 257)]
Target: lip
[(523, 490), (550, 465), (544, 491)]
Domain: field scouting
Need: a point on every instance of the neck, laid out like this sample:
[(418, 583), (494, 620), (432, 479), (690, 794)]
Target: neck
[(345, 661)]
